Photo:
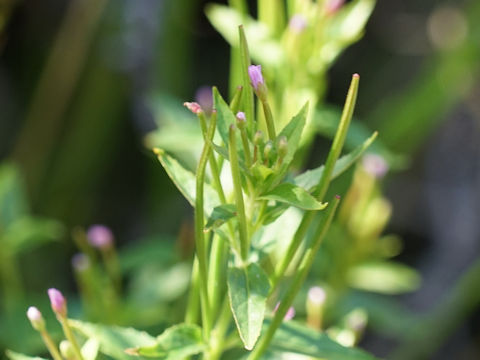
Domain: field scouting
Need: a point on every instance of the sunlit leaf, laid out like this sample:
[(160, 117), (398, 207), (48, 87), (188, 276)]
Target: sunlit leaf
[(12, 355), (90, 349), (186, 182), (248, 289), (296, 338), (293, 195), (220, 215), (177, 342), (309, 179), (113, 340), (263, 47), (385, 277)]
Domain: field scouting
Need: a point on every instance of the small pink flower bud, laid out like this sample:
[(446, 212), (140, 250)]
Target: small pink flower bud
[(58, 302), (100, 236), (333, 6), (257, 81), (256, 77), (297, 23), (241, 120), (193, 107), (290, 312), (36, 318), (375, 165)]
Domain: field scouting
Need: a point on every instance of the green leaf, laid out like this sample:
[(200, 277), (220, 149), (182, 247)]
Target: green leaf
[(177, 342), (27, 232), (248, 289), (386, 277), (296, 338), (12, 355), (293, 132), (220, 215), (13, 203), (263, 47), (309, 179), (90, 349), (113, 340), (186, 182), (293, 195)]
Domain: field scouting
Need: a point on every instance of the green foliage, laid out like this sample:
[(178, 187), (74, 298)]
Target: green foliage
[(248, 288)]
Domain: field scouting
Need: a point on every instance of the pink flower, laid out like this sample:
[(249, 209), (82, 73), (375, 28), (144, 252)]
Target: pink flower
[(100, 236), (58, 302), (333, 6), (193, 107), (256, 77), (375, 165), (297, 23), (290, 312)]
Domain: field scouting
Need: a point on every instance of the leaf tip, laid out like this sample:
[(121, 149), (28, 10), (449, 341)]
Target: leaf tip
[(132, 351)]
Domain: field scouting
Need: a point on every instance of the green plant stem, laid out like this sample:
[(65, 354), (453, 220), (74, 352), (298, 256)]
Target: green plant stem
[(112, 266), (67, 330), (248, 100), (246, 147), (237, 188), (200, 244), (216, 275), (269, 120), (324, 182), (52, 348), (297, 281), (191, 315), (220, 330)]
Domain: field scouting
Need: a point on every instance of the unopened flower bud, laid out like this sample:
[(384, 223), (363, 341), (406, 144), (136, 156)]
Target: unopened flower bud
[(66, 349), (100, 236), (315, 306), (267, 150), (241, 120), (80, 262), (258, 137), (58, 302), (36, 318), (282, 147), (257, 81), (297, 23), (193, 107)]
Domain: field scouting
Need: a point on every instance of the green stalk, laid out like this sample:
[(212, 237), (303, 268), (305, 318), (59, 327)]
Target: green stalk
[(269, 120), (298, 280), (248, 103), (191, 315), (52, 348), (324, 182), (221, 327), (237, 187), (201, 246), (67, 330), (246, 146)]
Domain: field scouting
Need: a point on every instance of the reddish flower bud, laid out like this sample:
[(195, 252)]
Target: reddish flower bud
[(193, 107), (100, 236), (58, 302), (36, 318)]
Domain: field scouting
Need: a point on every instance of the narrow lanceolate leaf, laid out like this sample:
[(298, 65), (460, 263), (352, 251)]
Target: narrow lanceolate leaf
[(12, 355), (186, 182), (90, 349), (385, 277), (113, 340), (296, 338), (293, 195), (177, 342), (293, 132), (248, 289), (309, 179), (220, 215)]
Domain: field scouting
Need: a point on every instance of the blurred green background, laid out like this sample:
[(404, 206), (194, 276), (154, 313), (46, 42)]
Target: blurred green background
[(77, 79)]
